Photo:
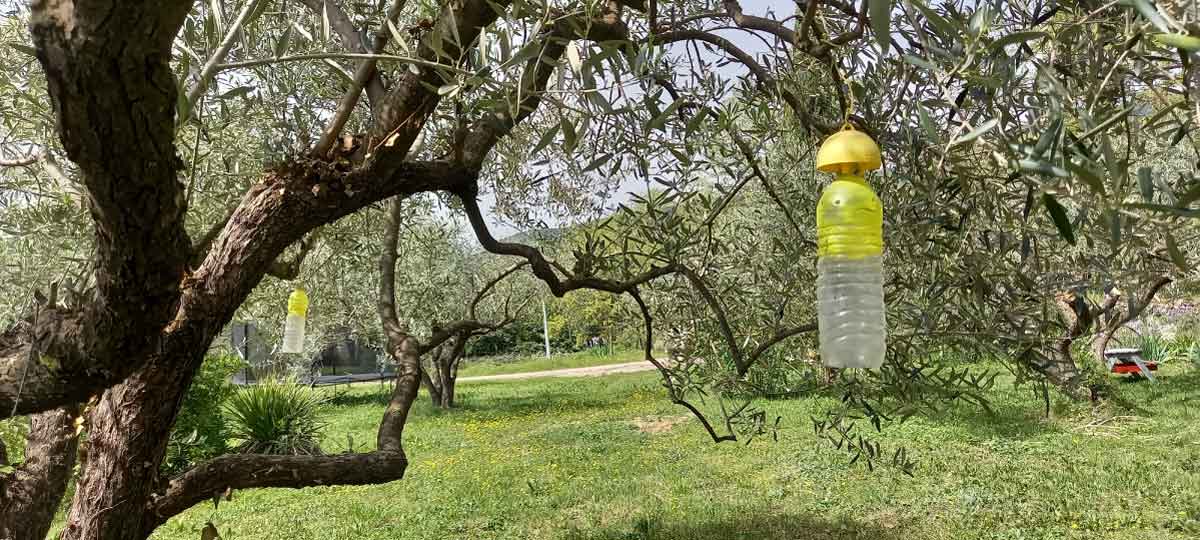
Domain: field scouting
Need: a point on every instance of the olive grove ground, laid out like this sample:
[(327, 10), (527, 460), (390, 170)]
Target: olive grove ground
[(607, 459)]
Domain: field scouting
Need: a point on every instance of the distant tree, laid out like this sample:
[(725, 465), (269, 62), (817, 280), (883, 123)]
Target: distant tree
[(443, 297)]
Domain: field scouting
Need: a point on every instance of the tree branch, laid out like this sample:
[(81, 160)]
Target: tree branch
[(387, 271), (366, 73), (542, 268), (673, 390), (761, 75), (734, 9), (402, 113), (748, 153), (501, 120), (289, 270), (341, 24), (487, 287), (719, 312), (855, 33), (473, 326), (775, 339)]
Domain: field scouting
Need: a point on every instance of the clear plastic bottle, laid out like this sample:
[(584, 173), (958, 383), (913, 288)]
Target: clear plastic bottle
[(850, 309), (293, 328)]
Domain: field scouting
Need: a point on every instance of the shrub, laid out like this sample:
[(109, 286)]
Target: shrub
[(1157, 348), (199, 432), (275, 418)]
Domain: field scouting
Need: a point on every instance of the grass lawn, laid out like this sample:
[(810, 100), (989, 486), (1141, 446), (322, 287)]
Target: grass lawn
[(564, 459), (474, 368)]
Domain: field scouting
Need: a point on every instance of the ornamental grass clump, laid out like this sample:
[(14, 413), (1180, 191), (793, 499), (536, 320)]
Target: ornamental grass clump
[(275, 418)]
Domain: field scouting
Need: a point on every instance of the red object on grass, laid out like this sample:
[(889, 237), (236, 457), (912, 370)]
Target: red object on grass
[(1133, 368)]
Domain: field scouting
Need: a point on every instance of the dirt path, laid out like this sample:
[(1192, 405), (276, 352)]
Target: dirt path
[(592, 371)]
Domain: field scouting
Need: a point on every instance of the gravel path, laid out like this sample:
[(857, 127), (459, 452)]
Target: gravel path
[(593, 371)]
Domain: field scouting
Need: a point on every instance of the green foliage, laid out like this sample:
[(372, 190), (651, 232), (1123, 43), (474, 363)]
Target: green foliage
[(1192, 354), (275, 418), (12, 435), (523, 337), (1156, 348), (199, 432)]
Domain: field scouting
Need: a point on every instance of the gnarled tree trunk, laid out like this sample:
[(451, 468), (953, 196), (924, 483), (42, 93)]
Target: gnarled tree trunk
[(127, 439), (444, 362), (1060, 367), (29, 495)]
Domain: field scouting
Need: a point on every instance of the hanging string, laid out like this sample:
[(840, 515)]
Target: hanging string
[(843, 81)]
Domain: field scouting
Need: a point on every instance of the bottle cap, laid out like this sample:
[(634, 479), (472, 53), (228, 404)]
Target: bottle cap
[(298, 302), (848, 151)]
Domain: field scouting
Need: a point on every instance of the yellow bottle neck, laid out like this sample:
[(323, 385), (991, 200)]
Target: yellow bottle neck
[(848, 177)]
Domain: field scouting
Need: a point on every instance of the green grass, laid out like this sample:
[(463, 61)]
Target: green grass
[(475, 368), (561, 459)]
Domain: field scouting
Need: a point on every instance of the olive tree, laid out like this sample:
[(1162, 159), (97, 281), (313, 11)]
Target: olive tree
[(432, 285), (986, 111)]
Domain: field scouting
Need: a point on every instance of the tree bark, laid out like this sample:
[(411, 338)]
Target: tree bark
[(128, 432), (114, 97), (446, 360), (435, 393), (30, 494)]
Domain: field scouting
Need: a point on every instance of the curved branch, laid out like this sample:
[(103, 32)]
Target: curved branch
[(748, 153), (386, 305), (487, 288), (761, 75), (758, 23), (234, 471), (719, 312), (668, 378), (775, 339), (401, 113), (543, 269)]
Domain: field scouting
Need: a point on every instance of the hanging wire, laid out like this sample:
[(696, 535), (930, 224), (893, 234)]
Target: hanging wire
[(836, 64)]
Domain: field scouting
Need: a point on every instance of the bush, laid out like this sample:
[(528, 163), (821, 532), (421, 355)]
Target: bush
[(1157, 348), (199, 433), (275, 418)]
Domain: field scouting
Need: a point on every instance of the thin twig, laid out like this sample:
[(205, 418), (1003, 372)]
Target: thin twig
[(213, 65), (341, 56)]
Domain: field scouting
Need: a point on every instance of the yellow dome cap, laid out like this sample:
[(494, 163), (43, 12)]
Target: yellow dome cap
[(848, 151)]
